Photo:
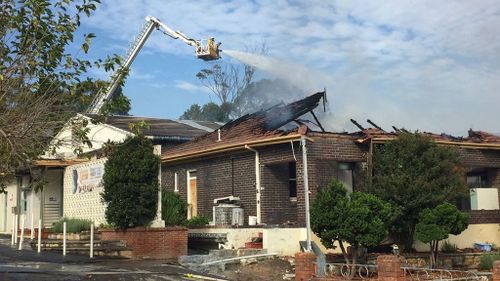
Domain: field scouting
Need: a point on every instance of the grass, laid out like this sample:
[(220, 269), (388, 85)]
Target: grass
[(198, 221), (449, 247), (73, 225), (486, 261)]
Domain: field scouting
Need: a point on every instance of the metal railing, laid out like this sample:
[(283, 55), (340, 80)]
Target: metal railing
[(363, 271), (370, 271), (424, 274)]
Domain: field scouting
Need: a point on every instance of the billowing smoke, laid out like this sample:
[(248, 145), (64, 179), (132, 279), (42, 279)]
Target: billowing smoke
[(302, 82)]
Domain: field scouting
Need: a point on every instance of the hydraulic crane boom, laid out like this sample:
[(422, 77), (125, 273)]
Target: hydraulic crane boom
[(208, 52)]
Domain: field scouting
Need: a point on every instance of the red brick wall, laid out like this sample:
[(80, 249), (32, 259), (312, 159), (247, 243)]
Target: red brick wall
[(305, 267), (496, 271), (389, 268), (152, 243)]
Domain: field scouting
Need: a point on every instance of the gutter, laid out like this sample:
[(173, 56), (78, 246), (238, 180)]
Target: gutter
[(233, 147)]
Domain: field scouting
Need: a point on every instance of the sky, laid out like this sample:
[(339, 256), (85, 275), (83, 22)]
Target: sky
[(422, 65)]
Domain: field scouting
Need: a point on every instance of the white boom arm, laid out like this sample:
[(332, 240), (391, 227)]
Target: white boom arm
[(209, 52)]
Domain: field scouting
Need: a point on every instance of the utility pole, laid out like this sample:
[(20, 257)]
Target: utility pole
[(306, 192)]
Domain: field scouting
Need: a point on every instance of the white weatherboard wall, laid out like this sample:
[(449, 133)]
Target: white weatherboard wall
[(84, 204), (99, 134), (8, 201)]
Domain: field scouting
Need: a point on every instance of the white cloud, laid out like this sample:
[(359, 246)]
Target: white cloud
[(190, 87), (430, 65)]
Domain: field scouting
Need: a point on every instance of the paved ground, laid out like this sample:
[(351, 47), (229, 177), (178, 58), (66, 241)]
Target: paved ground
[(29, 265)]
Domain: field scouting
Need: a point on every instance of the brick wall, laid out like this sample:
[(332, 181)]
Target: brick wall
[(277, 206), (234, 174), (153, 243), (484, 216), (324, 154), (479, 157), (305, 267), (496, 271), (218, 176)]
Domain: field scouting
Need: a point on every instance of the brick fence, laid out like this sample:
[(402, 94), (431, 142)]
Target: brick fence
[(388, 269), (496, 271), (151, 243)]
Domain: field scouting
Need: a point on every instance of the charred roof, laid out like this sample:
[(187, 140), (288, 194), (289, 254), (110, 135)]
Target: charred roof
[(259, 126)]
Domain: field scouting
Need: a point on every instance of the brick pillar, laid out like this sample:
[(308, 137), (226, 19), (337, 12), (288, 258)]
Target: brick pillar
[(305, 267), (389, 268), (496, 271)]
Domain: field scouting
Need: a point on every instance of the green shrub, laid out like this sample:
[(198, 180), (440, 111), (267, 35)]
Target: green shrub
[(173, 209), (73, 225), (448, 247), (105, 225), (486, 261), (197, 221), (131, 183)]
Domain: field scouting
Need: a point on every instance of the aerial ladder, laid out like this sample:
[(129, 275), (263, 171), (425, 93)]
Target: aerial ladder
[(209, 51)]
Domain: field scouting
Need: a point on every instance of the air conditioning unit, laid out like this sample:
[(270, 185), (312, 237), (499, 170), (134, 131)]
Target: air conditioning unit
[(223, 214), (238, 217)]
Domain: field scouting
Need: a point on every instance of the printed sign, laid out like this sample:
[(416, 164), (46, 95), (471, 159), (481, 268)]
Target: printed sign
[(87, 178)]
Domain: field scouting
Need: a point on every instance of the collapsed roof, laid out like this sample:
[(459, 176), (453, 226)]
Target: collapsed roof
[(260, 126), (474, 137)]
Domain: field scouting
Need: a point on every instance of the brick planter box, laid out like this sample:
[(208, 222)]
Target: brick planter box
[(27, 233), (151, 243)]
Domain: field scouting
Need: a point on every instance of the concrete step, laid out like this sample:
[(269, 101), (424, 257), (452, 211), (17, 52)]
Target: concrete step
[(101, 247), (79, 243)]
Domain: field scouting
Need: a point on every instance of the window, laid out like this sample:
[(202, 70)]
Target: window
[(477, 181), (292, 180), (24, 202), (344, 175), (176, 182)]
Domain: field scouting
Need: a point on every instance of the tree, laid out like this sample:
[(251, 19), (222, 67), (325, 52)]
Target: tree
[(209, 112), (37, 75), (256, 96), (437, 224), (173, 209), (226, 81), (85, 91), (360, 219), (414, 173), (131, 183)]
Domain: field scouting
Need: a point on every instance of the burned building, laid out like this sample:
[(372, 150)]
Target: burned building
[(255, 163), (257, 159)]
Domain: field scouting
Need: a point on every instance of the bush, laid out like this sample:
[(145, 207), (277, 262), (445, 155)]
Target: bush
[(197, 221), (73, 225), (131, 183), (173, 209), (486, 261), (449, 247)]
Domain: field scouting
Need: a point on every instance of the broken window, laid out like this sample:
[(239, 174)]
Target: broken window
[(292, 180), (344, 175)]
